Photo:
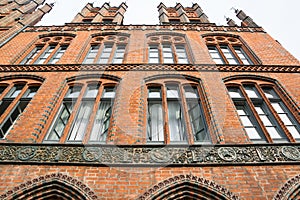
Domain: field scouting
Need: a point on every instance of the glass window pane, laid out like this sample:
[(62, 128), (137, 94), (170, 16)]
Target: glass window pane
[(190, 92), (265, 120), (273, 133), (277, 108), (30, 92), (109, 92), (241, 112), (176, 126), (252, 133), (172, 92), (245, 121), (92, 91), (15, 91), (73, 92), (154, 93), (234, 93), (285, 119), (294, 132), (251, 92), (155, 130)]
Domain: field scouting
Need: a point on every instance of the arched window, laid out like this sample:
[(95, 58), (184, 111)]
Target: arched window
[(167, 49), (15, 95), (263, 111), (85, 112), (175, 113), (47, 50), (225, 49), (106, 49)]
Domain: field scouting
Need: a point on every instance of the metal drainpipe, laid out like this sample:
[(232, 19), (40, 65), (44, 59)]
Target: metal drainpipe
[(13, 35)]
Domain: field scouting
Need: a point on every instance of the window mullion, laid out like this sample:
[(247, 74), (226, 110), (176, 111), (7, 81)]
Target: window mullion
[(165, 114), (222, 54), (235, 54), (57, 47), (188, 125), (97, 57), (112, 53), (256, 115)]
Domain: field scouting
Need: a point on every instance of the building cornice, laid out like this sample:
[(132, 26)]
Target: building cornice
[(151, 67), (115, 27), (150, 155)]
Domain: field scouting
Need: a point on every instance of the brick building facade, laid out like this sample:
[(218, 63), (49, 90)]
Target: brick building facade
[(95, 109)]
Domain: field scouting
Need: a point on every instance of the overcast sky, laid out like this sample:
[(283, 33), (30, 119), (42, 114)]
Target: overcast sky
[(279, 18)]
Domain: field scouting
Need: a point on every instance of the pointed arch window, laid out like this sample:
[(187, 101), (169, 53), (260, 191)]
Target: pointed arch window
[(263, 113), (175, 114), (229, 50), (167, 49), (15, 96), (107, 49), (47, 50), (85, 113)]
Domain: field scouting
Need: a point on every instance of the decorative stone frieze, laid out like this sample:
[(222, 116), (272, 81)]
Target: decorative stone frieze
[(148, 155)]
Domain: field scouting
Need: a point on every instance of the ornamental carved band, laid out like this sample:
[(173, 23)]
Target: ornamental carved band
[(150, 156)]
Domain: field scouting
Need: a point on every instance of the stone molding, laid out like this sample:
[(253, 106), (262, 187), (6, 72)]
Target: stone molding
[(289, 189), (150, 155), (114, 27), (149, 67)]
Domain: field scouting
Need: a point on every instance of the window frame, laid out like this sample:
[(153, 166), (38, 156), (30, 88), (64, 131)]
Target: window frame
[(231, 43), (33, 57), (78, 101), (114, 41), (186, 121), (15, 102), (265, 103)]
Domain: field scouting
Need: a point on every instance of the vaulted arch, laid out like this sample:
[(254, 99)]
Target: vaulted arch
[(290, 190), (53, 186), (187, 187)]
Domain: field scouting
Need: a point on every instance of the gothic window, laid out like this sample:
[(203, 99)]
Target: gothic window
[(15, 96), (106, 49), (167, 49), (263, 113), (229, 50), (84, 114), (47, 50), (175, 114)]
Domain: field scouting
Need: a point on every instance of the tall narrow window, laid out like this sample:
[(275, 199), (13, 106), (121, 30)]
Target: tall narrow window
[(167, 49), (153, 54), (155, 128), (229, 50), (119, 54), (181, 54), (258, 118), (167, 111), (90, 114), (28, 59), (19, 99), (175, 114), (105, 54), (102, 119), (48, 50), (107, 49), (195, 113), (167, 54), (65, 112)]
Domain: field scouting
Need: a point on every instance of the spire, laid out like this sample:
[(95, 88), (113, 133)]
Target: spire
[(246, 20)]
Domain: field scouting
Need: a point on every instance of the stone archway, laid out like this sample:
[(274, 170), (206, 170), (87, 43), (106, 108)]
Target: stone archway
[(290, 190), (53, 186), (187, 187)]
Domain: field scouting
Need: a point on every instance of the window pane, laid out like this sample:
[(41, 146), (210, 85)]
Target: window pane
[(251, 92), (285, 119), (154, 93), (190, 92), (30, 92), (234, 93), (277, 108), (252, 133), (172, 92), (73, 92), (32, 55), (273, 133), (109, 92), (92, 91), (155, 131), (14, 92), (176, 126), (81, 121), (245, 121), (294, 132)]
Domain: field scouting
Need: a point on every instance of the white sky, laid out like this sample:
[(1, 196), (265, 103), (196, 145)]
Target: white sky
[(279, 18)]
